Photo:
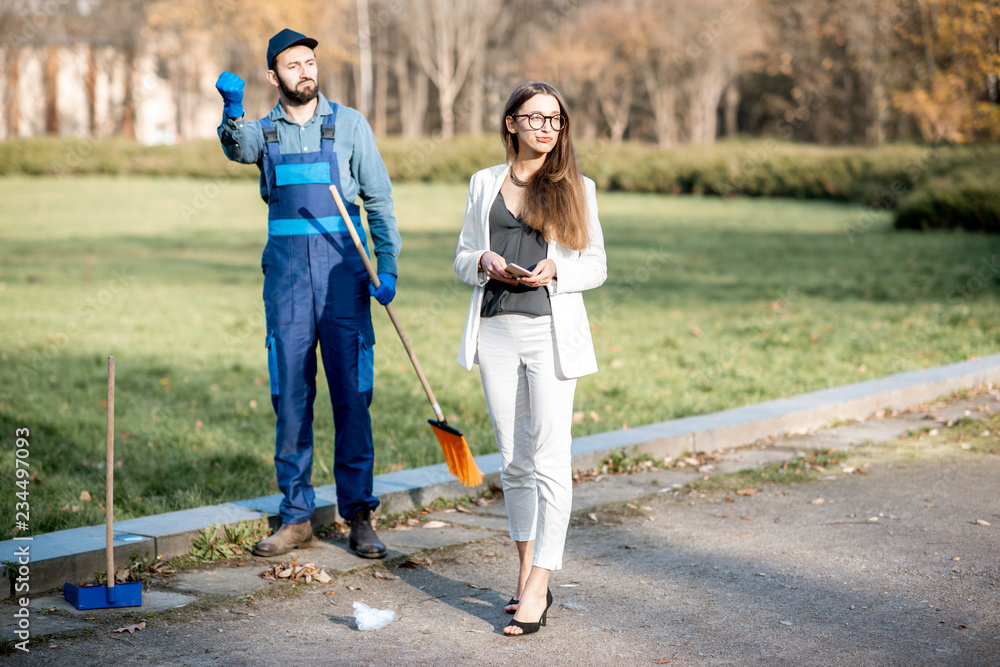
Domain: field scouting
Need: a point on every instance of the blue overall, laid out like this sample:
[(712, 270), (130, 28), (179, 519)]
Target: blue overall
[(316, 291)]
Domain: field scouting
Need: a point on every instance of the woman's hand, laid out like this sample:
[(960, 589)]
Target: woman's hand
[(543, 274), (495, 267)]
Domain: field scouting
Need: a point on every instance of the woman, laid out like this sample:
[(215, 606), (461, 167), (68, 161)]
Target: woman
[(528, 331)]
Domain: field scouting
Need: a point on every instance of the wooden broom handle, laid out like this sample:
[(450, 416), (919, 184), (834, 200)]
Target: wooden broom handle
[(388, 306), (109, 492)]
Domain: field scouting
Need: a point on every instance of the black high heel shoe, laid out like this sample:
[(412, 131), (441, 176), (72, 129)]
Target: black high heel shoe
[(531, 628), (512, 601)]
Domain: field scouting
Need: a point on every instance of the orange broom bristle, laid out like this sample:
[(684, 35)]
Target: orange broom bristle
[(458, 457)]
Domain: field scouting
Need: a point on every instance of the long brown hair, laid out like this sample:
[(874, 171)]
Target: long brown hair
[(555, 203)]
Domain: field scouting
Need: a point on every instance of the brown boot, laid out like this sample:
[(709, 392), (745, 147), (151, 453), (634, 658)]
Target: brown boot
[(286, 538), (363, 540)]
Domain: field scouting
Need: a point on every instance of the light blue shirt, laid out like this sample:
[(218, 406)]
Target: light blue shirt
[(362, 171)]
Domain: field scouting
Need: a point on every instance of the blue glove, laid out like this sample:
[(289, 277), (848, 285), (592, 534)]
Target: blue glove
[(386, 291), (230, 87)]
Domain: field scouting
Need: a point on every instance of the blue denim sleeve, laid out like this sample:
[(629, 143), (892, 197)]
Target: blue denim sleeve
[(242, 140), (375, 189)]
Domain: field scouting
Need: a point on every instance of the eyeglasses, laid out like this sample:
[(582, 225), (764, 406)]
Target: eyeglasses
[(536, 121)]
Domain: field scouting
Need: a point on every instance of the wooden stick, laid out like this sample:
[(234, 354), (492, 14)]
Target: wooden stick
[(109, 492), (388, 307)]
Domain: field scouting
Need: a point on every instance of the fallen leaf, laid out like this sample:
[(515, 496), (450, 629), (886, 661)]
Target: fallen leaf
[(980, 522), (746, 492), (307, 572), (463, 508), (957, 558), (747, 518), (412, 563), (663, 661), (132, 628), (435, 524), (729, 500), (721, 516), (592, 516), (596, 417), (578, 417), (85, 496), (696, 332), (872, 519), (379, 574), (817, 501)]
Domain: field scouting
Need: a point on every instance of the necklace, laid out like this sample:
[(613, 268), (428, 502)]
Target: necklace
[(517, 181)]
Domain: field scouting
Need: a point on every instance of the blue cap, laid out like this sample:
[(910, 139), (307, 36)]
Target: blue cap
[(286, 39)]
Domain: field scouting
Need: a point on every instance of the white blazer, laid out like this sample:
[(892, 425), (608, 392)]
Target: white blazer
[(576, 270)]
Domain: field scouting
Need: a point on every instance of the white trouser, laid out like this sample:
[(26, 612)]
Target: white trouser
[(531, 407)]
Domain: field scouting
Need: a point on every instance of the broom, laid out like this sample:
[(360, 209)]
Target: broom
[(457, 455)]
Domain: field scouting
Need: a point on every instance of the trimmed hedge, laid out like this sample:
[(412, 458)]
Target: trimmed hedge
[(967, 199), (930, 186)]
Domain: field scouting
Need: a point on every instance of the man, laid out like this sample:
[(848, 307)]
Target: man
[(316, 289)]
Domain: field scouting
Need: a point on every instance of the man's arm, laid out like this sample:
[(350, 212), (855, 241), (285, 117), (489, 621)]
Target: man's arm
[(375, 189), (241, 141)]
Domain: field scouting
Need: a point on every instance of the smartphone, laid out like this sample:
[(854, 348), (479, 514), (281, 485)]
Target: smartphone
[(519, 271)]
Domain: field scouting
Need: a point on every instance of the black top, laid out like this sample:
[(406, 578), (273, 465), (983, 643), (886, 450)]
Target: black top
[(517, 243)]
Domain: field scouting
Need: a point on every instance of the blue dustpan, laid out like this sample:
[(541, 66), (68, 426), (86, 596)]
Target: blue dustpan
[(110, 595), (104, 597)]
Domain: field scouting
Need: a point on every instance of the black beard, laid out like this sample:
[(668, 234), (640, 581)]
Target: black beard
[(296, 97)]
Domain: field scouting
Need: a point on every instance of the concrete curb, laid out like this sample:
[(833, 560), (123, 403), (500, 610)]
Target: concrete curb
[(74, 555)]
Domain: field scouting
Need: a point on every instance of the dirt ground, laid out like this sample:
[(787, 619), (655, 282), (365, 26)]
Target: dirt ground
[(893, 567)]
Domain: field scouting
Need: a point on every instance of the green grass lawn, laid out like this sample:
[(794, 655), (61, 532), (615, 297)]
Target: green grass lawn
[(709, 304)]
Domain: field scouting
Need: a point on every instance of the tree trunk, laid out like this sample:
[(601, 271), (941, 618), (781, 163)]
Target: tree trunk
[(52, 90), (663, 97), (92, 91), (616, 106), (926, 23), (704, 93), (13, 109), (732, 108), (413, 91), (364, 92), (477, 105), (379, 120), (128, 103), (445, 70)]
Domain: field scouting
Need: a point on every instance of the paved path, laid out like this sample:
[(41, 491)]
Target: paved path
[(891, 568)]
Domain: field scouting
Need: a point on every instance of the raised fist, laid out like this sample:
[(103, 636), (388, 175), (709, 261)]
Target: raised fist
[(230, 87)]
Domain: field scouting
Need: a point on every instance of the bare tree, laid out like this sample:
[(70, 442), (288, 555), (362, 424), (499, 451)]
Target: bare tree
[(446, 36), (364, 58)]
